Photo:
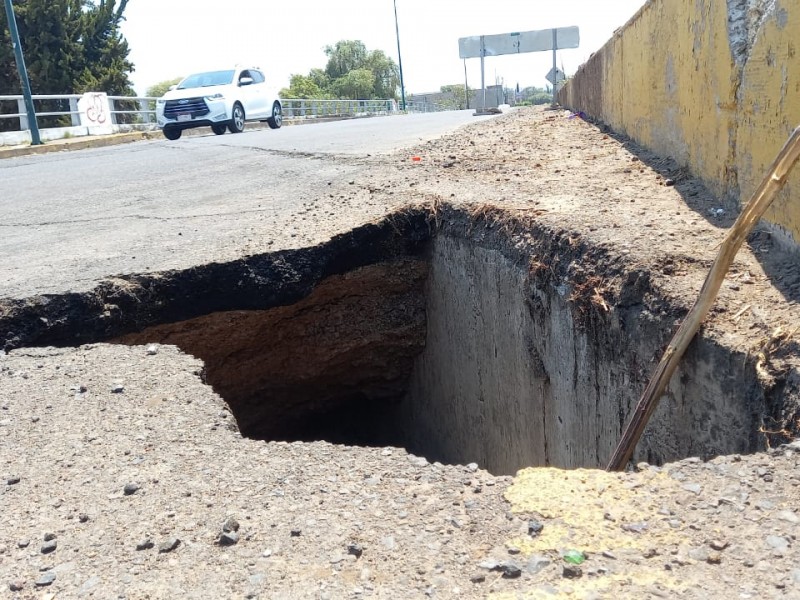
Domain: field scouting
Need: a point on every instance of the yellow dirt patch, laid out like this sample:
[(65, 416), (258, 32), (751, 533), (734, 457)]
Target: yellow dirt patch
[(596, 511)]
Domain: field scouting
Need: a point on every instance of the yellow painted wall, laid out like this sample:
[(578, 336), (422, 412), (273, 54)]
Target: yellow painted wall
[(679, 81), (769, 109)]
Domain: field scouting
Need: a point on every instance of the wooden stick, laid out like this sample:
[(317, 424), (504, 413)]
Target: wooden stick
[(755, 208)]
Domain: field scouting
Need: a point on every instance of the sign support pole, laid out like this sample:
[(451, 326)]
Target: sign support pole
[(555, 69), (23, 74), (466, 86), (483, 79)]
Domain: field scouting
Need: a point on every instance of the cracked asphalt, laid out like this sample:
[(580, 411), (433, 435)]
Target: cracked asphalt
[(70, 219)]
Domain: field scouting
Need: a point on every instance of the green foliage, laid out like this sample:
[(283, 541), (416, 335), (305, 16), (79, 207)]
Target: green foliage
[(533, 95), (303, 86), (352, 72), (70, 46), (355, 85), (456, 96), (162, 87), (345, 56)]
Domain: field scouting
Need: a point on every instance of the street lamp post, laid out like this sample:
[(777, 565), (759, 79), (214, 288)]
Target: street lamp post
[(23, 74), (399, 59)]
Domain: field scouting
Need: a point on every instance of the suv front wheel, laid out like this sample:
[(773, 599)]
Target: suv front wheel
[(172, 133), (236, 124), (276, 120)]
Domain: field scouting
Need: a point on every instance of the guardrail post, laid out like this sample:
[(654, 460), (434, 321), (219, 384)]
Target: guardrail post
[(75, 117), (23, 118), (111, 109), (144, 111)]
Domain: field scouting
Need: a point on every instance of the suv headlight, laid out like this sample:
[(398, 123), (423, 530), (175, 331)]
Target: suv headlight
[(216, 96), (160, 101)]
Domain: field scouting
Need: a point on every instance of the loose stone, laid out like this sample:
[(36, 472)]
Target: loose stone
[(49, 546), (145, 544), (635, 527), (45, 579), (695, 488), (131, 488), (571, 571), (536, 564), (230, 524), (777, 542), (718, 545), (509, 570), (789, 516), (228, 538), (534, 528), (169, 545)]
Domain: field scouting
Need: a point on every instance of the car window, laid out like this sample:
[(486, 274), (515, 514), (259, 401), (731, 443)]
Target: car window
[(208, 79), (257, 76)]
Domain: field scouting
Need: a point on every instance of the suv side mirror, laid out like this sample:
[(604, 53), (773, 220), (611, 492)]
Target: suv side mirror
[(245, 81), (174, 86)]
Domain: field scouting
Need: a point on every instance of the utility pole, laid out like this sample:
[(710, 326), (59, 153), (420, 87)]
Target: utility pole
[(23, 74), (399, 59)]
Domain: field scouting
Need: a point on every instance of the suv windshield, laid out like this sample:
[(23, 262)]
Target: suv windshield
[(207, 79)]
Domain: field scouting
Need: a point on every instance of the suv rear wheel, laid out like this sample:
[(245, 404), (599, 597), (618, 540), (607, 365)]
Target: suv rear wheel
[(236, 124)]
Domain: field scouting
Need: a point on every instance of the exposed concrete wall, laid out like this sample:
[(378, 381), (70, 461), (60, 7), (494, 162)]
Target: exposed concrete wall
[(716, 85), (509, 379)]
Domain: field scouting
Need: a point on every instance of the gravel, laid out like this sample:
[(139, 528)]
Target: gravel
[(722, 528), (306, 524)]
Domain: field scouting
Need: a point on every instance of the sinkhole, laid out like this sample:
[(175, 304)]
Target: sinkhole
[(461, 336)]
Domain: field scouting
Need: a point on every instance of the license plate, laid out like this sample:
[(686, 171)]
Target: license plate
[(184, 117)]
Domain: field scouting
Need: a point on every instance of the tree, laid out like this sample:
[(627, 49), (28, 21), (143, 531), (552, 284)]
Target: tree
[(352, 72), (456, 96), (162, 87), (355, 85), (387, 75), (303, 86), (534, 95), (71, 46), (345, 56)]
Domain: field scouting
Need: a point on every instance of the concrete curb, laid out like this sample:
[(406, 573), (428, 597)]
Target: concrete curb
[(99, 141)]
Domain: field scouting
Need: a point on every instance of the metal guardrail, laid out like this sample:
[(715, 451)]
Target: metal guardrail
[(144, 112), (140, 110)]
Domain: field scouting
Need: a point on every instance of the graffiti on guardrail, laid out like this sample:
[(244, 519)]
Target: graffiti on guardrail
[(94, 111)]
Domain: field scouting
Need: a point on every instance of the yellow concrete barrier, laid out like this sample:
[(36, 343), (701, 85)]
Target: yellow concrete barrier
[(715, 85)]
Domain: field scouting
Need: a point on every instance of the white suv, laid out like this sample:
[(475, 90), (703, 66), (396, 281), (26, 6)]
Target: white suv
[(220, 100)]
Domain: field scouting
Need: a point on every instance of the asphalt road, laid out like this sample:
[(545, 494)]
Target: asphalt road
[(70, 219)]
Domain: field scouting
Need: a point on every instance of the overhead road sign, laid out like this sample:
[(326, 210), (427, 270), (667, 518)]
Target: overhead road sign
[(518, 42)]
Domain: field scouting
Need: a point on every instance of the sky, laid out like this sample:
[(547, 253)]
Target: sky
[(173, 38)]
